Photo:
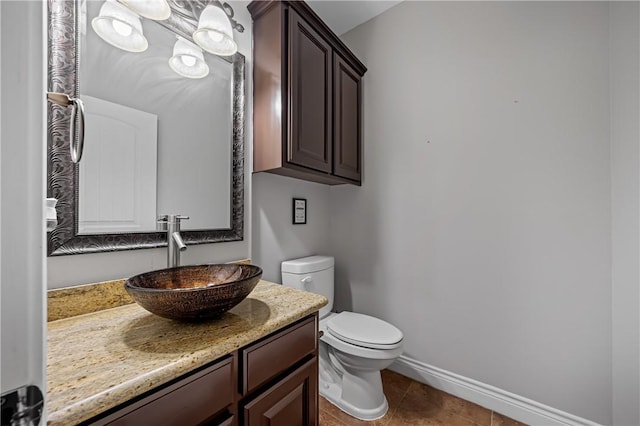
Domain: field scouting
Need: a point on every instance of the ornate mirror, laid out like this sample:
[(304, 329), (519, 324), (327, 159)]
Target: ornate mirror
[(157, 141)]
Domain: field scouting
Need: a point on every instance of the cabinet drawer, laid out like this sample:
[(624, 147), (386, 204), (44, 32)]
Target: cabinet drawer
[(190, 401), (266, 359), (293, 401)]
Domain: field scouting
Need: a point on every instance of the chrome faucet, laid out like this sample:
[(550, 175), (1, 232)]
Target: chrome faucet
[(171, 224)]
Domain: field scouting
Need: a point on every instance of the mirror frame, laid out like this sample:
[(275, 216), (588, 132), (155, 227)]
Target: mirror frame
[(62, 173)]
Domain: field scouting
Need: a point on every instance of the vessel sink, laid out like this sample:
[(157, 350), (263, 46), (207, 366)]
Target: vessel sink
[(195, 292)]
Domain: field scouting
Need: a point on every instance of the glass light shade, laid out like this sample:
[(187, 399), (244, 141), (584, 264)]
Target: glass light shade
[(214, 33), (157, 10), (120, 27), (188, 60)]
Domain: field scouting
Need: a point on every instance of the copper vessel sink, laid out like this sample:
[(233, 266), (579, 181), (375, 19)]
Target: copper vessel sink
[(195, 292)]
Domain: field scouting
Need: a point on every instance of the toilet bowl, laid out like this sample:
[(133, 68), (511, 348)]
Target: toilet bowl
[(353, 347)]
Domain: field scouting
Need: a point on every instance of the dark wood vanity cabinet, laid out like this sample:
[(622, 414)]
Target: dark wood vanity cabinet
[(290, 402), (279, 380), (271, 381), (307, 96)]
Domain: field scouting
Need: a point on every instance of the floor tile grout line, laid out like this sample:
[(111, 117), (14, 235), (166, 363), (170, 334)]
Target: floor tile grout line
[(391, 416), (405, 393), (395, 410), (334, 417)]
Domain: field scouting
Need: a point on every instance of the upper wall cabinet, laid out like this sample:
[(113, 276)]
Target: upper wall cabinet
[(307, 96)]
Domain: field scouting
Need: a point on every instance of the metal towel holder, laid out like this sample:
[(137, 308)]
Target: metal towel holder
[(76, 105)]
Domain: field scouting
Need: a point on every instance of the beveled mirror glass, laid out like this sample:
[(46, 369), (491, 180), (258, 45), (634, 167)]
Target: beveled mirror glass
[(156, 142)]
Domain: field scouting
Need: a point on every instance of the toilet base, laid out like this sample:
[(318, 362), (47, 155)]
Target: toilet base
[(359, 395), (332, 393)]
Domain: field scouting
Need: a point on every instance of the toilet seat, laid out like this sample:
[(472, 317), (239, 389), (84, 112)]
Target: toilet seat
[(364, 331)]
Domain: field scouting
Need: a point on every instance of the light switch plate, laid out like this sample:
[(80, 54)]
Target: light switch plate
[(299, 211)]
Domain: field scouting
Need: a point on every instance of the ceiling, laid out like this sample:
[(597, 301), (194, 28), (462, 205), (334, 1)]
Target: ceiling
[(342, 16)]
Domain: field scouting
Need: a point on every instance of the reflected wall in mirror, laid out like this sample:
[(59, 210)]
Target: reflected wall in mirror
[(156, 142)]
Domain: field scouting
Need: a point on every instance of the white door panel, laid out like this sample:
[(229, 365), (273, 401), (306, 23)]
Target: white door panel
[(22, 184), (123, 198)]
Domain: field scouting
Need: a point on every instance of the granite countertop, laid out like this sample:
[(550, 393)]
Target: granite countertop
[(99, 360)]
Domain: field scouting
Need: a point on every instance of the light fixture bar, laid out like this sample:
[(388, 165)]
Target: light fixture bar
[(157, 10)]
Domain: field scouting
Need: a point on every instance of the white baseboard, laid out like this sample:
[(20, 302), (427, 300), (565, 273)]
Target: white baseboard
[(498, 400)]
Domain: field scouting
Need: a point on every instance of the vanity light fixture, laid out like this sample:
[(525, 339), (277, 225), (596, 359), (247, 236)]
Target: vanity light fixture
[(214, 33), (188, 60), (120, 27), (157, 10)]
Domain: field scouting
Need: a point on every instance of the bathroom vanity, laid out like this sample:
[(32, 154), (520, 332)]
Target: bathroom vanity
[(125, 366)]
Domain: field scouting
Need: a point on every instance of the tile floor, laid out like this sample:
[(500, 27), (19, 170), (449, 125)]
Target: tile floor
[(417, 404)]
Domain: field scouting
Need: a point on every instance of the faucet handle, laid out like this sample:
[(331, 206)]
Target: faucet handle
[(161, 222)]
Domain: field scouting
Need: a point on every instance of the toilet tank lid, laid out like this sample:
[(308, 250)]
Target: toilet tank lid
[(308, 264)]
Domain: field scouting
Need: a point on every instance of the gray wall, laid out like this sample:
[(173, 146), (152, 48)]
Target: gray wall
[(482, 229), (275, 238), (625, 199), (80, 269)]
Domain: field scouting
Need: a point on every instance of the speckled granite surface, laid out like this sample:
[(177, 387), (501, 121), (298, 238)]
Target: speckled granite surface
[(83, 299), (99, 360)]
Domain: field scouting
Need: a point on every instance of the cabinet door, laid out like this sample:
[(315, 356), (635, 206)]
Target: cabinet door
[(310, 93), (347, 156), (293, 401)]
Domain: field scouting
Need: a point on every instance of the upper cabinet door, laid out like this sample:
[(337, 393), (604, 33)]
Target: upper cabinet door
[(347, 156), (307, 112), (310, 82)]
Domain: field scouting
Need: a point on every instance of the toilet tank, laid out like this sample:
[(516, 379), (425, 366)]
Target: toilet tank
[(313, 274)]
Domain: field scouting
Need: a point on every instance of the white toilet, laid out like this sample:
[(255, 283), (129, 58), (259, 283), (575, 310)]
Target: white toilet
[(354, 347)]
